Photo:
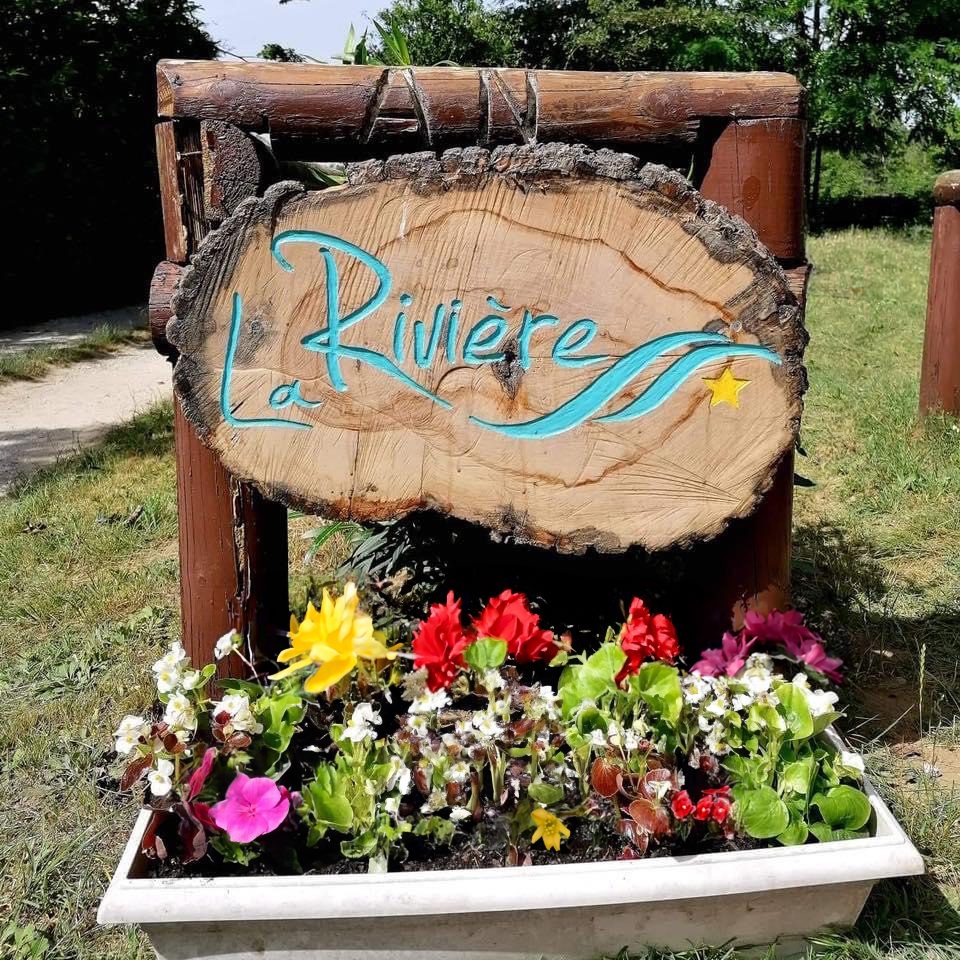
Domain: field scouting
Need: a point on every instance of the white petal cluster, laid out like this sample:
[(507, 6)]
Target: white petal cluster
[(819, 701), (128, 734), (180, 716), (229, 643), (168, 670), (486, 725), (429, 702), (160, 778), (362, 725), (241, 717)]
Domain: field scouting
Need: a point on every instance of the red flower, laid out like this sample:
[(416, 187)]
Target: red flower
[(439, 643), (508, 618), (682, 805), (646, 637), (704, 808), (721, 809)]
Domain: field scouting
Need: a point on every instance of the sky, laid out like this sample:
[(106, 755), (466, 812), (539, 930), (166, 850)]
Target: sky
[(314, 27)]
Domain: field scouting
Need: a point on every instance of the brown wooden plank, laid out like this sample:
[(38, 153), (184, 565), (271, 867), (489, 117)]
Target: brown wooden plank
[(940, 369), (365, 111), (755, 169), (166, 276), (232, 168), (171, 196)]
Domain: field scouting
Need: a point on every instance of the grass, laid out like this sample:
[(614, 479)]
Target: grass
[(33, 363), (89, 593)]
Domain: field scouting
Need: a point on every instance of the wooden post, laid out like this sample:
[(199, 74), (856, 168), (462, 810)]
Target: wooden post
[(755, 169), (940, 370), (226, 582)]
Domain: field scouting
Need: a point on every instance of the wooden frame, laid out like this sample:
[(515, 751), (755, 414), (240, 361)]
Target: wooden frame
[(743, 135)]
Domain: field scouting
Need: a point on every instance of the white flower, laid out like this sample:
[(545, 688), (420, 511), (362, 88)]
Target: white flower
[(414, 684), (458, 772), (190, 680), (457, 814), (485, 723), (418, 726), (695, 688), (717, 707), (705, 724), (436, 801), (229, 643), (742, 701), (819, 701), (160, 778), (631, 741), (852, 760), (241, 718), (168, 679), (464, 730), (659, 788), (180, 716), (492, 680), (129, 732), (392, 805), (598, 738), (174, 659), (362, 722), (429, 702), (399, 777), (715, 742)]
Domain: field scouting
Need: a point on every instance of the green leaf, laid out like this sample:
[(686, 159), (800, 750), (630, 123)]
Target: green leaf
[(438, 829), (795, 834), (823, 721), (545, 793), (232, 852), (795, 712), (843, 808), (797, 776), (761, 812), (658, 684), (486, 654), (359, 847), (592, 678)]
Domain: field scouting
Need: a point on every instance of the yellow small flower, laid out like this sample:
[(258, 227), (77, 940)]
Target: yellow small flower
[(331, 639), (550, 829)]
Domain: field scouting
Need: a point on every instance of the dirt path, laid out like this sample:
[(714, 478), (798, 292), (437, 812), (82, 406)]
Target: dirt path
[(64, 331), (74, 406)]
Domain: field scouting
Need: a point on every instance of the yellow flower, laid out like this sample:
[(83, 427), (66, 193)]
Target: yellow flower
[(331, 639), (550, 829)]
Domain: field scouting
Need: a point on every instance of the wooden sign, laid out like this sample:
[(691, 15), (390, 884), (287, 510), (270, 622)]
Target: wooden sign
[(546, 340)]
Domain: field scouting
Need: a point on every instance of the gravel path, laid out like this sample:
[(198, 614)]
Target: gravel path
[(63, 331), (74, 406)]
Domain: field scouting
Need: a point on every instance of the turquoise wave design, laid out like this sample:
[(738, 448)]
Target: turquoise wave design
[(596, 395)]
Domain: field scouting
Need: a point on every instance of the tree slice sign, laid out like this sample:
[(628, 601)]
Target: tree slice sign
[(545, 340)]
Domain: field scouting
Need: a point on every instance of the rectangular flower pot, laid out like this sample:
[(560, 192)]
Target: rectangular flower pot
[(574, 911)]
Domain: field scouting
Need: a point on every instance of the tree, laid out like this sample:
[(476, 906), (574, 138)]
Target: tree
[(77, 110), (879, 72)]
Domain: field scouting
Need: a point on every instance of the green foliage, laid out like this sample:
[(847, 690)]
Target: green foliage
[(485, 654), (325, 804), (242, 854), (761, 812), (76, 137), (280, 54)]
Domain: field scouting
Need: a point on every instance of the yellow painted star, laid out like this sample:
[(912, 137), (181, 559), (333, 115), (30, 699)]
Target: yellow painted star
[(725, 388)]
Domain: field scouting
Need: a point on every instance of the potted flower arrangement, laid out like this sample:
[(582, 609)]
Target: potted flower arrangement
[(607, 777)]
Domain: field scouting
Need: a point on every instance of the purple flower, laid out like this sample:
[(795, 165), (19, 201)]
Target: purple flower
[(253, 806), (730, 658)]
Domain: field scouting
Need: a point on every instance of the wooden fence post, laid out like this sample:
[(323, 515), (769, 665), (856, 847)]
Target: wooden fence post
[(233, 543), (755, 169), (940, 370)]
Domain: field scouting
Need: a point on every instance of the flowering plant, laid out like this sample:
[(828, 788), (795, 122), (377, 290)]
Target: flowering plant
[(488, 740)]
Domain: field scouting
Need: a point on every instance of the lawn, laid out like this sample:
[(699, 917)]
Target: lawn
[(89, 593)]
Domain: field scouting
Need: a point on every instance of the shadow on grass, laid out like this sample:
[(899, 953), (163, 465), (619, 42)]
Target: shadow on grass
[(148, 434)]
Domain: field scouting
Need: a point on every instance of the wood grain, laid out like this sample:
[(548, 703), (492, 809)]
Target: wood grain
[(360, 112), (562, 231)]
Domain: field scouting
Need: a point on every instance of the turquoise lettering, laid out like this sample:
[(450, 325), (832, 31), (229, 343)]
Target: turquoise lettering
[(574, 338), (527, 328)]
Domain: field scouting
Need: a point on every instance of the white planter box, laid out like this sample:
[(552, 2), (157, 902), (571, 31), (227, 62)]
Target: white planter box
[(574, 912)]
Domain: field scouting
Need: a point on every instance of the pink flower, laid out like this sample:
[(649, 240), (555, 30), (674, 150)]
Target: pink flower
[(253, 806), (729, 659), (789, 630)]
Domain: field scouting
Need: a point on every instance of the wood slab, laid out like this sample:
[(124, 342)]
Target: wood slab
[(546, 340)]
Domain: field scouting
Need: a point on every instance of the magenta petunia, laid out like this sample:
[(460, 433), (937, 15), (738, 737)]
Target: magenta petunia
[(789, 630), (253, 806), (729, 659)]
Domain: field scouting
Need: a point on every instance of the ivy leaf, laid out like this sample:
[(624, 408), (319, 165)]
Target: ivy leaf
[(761, 812), (486, 654), (795, 712), (843, 808)]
